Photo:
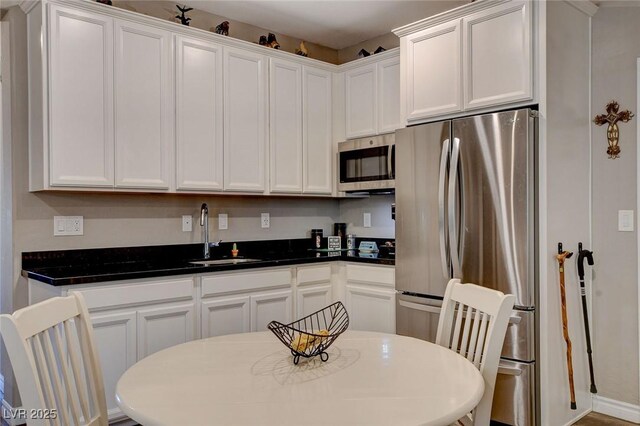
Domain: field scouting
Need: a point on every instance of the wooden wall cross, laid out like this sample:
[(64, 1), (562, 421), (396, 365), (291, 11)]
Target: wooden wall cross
[(613, 134)]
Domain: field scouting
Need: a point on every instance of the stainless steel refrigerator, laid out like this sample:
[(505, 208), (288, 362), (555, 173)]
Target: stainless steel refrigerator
[(465, 208)]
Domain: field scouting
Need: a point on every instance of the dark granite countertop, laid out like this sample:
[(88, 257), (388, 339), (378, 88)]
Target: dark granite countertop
[(68, 267)]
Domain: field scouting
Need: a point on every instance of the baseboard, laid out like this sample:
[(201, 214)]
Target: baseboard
[(7, 409), (618, 409)]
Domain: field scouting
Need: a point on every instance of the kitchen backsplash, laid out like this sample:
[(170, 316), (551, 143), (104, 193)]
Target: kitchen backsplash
[(352, 212)]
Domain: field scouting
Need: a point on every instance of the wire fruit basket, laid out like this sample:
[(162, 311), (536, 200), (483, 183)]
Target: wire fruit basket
[(312, 335)]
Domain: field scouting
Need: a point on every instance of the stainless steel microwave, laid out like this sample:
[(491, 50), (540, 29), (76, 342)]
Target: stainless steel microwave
[(367, 164)]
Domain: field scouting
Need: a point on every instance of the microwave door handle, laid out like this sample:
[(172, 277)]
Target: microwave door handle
[(441, 214), (391, 167), (453, 231)]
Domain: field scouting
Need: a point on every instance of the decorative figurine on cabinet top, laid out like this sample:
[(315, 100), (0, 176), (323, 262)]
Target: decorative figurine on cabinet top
[(272, 42), (183, 19), (302, 50), (223, 28), (263, 40), (613, 133), (107, 2), (363, 53)]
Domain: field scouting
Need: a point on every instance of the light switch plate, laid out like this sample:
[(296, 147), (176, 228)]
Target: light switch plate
[(366, 219), (187, 223), (625, 220), (223, 221), (68, 225)]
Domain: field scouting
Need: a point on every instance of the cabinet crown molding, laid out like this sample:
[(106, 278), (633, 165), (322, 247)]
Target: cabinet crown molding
[(447, 16), (391, 53), (585, 6), (28, 5)]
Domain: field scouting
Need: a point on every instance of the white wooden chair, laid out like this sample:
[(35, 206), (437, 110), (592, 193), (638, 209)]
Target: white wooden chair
[(50, 345), (480, 340)]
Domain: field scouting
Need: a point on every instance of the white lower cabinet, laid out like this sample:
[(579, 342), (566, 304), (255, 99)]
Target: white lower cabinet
[(313, 290), (244, 301), (270, 306), (225, 315), (370, 298), (115, 336), (162, 327)]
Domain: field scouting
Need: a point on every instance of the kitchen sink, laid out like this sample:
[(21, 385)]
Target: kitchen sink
[(223, 261)]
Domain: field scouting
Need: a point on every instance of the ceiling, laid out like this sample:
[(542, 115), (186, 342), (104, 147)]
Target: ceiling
[(335, 24)]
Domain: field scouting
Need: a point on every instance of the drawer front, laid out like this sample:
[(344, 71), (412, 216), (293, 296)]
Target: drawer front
[(137, 293), (314, 274), (382, 275), (245, 281)]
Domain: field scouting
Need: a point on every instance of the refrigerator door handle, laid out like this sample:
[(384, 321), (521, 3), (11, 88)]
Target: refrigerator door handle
[(419, 307), (510, 371), (451, 210), (441, 211)]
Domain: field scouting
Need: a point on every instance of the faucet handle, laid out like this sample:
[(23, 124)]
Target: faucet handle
[(215, 243)]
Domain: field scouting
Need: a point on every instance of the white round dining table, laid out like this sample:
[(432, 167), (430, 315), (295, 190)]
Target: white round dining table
[(250, 379)]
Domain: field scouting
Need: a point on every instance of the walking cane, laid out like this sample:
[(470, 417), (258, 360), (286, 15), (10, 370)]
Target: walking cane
[(582, 255), (562, 255)]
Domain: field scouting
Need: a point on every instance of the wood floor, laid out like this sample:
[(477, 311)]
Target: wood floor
[(596, 419)]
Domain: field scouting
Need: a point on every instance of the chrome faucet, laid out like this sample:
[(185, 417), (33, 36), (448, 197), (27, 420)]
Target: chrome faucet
[(204, 221)]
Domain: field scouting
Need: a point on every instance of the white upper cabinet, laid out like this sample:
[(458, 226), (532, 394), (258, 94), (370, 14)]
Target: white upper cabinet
[(360, 86), (388, 101), (245, 120), (199, 143), (144, 106), (372, 97), (479, 56), (285, 126), (498, 38), (433, 71), (81, 98), (317, 142)]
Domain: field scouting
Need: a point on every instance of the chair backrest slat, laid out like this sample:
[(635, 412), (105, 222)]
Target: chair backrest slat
[(54, 364), (473, 347), (473, 322), (75, 367), (48, 343), (68, 384)]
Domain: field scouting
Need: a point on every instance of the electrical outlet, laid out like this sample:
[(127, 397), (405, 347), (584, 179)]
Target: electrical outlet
[(265, 221), (68, 225), (366, 219), (223, 221), (187, 223)]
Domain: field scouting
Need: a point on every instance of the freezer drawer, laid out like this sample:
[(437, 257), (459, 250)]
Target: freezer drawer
[(514, 396), (418, 317)]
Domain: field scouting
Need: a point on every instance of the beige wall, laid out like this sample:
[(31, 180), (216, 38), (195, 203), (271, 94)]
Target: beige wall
[(616, 36), (208, 21), (382, 226), (565, 128)]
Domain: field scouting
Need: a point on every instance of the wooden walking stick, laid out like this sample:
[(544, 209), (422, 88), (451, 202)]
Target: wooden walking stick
[(562, 255)]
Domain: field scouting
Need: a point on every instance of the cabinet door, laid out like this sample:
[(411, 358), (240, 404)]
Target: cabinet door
[(163, 327), (433, 71), (371, 309), (498, 55), (316, 131), (80, 98), (144, 111), (115, 338), (245, 112), (388, 101), (285, 126), (360, 85), (312, 298), (198, 115), (270, 306), (225, 315)]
